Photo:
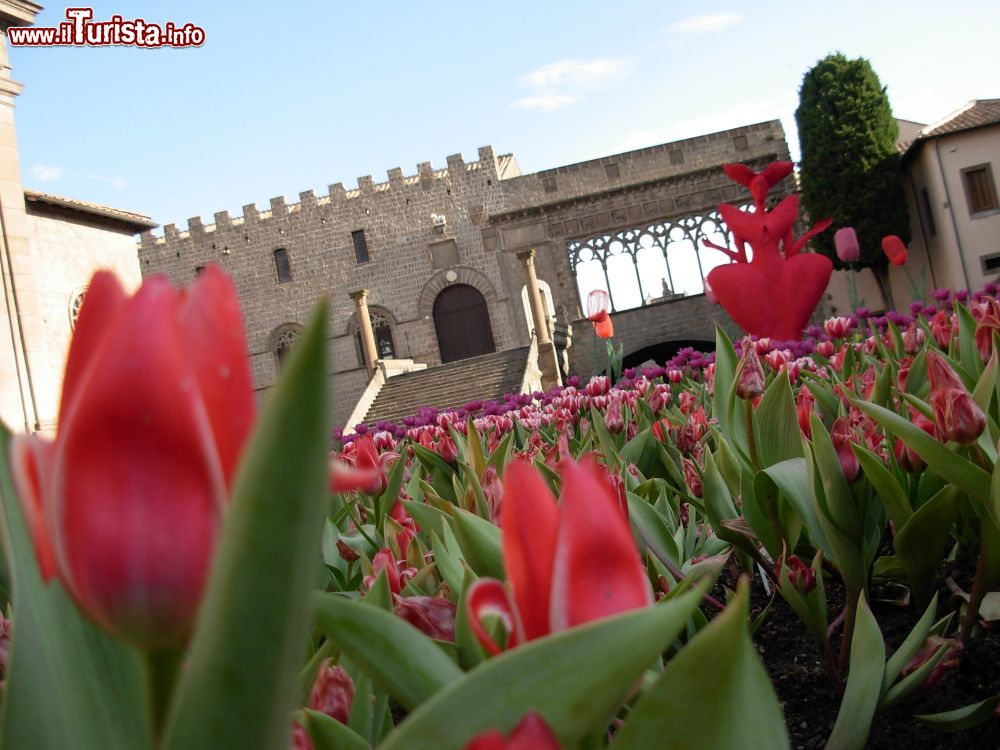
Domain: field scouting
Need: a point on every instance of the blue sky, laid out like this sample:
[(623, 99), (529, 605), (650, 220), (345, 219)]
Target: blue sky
[(274, 104)]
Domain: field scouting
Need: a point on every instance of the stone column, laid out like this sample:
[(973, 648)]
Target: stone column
[(527, 257), (547, 361), (368, 347)]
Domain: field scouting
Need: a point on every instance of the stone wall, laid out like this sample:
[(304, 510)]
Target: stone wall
[(490, 210)]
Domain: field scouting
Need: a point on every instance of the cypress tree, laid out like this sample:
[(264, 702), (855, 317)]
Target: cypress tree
[(850, 169)]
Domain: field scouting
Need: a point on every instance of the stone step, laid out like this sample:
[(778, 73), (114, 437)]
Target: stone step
[(452, 385)]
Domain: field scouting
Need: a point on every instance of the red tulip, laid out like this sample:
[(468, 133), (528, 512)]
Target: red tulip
[(942, 326), (125, 504), (531, 734), (363, 470), (803, 408), (566, 564), (957, 416), (598, 306), (613, 418), (894, 249)]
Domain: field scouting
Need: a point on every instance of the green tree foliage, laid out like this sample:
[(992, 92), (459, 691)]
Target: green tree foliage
[(850, 166)]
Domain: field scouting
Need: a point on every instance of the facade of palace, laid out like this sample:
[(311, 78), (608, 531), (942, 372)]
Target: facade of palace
[(444, 256)]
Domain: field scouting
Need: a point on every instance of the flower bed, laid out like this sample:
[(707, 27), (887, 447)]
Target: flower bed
[(774, 545)]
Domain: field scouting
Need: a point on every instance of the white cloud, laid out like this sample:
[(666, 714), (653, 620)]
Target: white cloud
[(545, 102), (118, 183), (44, 173), (576, 74), (562, 83), (709, 23)]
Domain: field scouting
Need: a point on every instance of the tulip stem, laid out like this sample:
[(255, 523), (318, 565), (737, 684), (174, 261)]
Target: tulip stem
[(751, 438), (162, 667), (976, 595)]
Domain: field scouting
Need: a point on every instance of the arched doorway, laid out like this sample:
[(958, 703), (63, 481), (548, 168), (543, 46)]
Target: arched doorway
[(462, 323)]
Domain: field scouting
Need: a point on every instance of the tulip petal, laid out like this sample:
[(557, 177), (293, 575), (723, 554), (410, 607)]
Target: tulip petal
[(213, 334), (31, 459), (597, 570), (487, 596), (138, 484), (529, 522), (740, 173), (776, 171), (104, 301)]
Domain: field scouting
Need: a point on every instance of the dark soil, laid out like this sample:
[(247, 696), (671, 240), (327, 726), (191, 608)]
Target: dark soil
[(811, 704)]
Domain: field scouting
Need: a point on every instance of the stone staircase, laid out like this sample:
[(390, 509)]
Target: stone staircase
[(450, 386)]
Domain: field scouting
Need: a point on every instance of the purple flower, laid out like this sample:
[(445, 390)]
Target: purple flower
[(941, 295), (863, 313)]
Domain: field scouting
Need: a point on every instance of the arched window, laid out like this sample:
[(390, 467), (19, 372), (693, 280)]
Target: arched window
[(650, 262), (382, 324), (283, 340), (75, 303), (282, 266)]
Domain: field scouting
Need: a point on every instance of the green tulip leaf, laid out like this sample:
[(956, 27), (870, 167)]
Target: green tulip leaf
[(395, 655), (864, 683), (714, 694), (780, 436), (652, 530), (68, 684), (544, 675), (921, 542), (957, 470), (327, 733), (886, 486), (239, 687), (480, 543), (960, 719)]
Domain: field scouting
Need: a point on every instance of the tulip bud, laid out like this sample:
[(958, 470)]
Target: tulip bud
[(895, 249), (803, 409), (846, 241), (431, 615), (842, 437), (987, 315), (598, 385), (913, 338), (613, 418), (346, 553), (691, 476), (333, 693), (957, 416), (825, 349), (941, 328), (749, 373), (838, 328), (801, 575)]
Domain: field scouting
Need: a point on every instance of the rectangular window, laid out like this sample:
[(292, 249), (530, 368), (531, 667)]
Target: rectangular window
[(990, 262), (980, 191), (360, 246), (282, 266), (928, 213)]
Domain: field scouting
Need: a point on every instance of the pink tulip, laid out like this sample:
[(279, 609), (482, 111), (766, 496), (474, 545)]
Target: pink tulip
[(846, 241), (749, 373), (566, 564), (956, 415), (124, 506), (838, 328)]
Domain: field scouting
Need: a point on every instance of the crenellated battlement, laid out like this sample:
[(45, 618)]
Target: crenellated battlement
[(425, 178)]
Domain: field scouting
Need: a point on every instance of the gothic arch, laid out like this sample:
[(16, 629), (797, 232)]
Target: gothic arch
[(440, 280), (282, 340), (384, 328)]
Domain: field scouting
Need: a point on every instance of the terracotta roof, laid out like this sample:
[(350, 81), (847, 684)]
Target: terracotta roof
[(978, 113), (137, 222), (975, 114)]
